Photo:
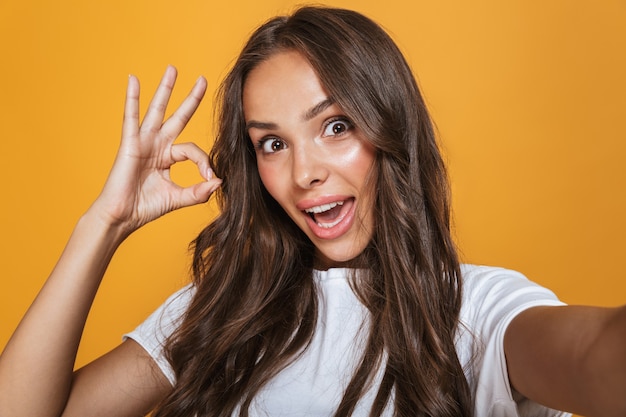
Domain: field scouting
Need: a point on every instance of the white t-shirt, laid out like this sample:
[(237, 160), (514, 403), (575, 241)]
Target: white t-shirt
[(314, 384)]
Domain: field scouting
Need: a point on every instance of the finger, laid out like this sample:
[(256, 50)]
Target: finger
[(130, 125), (192, 152), (198, 193), (158, 105), (179, 119)]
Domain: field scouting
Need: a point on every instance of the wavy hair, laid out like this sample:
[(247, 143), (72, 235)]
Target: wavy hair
[(255, 305)]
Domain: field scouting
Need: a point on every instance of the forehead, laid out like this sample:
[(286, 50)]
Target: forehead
[(283, 83)]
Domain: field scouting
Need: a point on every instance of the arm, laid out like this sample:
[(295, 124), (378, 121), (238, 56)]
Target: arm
[(570, 358), (36, 367)]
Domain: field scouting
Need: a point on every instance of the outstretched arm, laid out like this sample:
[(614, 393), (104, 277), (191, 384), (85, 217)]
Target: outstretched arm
[(36, 367), (570, 358)]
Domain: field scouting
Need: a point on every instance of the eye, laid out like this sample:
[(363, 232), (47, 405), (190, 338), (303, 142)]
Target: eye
[(336, 127), (271, 145)]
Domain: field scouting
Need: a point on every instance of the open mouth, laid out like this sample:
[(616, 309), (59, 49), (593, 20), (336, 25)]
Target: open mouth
[(328, 215)]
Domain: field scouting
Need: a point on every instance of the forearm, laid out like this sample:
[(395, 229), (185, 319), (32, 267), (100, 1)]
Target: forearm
[(37, 364), (36, 367)]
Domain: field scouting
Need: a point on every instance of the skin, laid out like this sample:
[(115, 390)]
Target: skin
[(124, 382), (571, 358), (310, 156)]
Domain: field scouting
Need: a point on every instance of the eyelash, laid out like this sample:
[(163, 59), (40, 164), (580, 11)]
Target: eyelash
[(348, 125), (261, 144)]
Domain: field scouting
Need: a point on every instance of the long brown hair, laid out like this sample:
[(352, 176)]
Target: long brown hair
[(255, 304)]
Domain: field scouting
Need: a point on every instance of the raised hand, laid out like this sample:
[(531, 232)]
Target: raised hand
[(139, 188)]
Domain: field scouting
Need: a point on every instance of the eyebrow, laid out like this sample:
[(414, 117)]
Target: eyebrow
[(317, 109), (308, 115)]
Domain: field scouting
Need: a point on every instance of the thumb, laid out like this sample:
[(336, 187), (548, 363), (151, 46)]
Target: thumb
[(198, 193)]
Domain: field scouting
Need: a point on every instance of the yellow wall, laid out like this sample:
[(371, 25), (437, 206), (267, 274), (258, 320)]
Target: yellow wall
[(529, 98)]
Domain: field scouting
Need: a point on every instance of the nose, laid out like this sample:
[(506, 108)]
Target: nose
[(308, 167)]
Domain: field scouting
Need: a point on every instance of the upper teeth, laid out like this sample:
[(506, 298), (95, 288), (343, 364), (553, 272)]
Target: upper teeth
[(323, 207)]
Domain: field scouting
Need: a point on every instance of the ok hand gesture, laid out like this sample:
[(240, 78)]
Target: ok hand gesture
[(139, 188)]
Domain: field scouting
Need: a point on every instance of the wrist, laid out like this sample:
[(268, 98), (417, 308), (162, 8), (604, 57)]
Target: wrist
[(102, 227)]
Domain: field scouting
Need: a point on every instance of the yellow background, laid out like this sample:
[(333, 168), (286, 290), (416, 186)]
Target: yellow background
[(529, 98)]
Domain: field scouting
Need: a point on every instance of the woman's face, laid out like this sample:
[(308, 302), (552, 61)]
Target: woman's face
[(311, 159)]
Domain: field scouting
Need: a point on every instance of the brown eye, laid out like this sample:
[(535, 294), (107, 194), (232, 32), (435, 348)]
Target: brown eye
[(272, 145), (276, 145), (337, 127)]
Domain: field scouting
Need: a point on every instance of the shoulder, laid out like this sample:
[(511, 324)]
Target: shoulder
[(488, 287), (480, 277), (492, 298)]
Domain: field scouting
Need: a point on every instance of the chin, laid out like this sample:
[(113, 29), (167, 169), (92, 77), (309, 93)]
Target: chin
[(327, 261)]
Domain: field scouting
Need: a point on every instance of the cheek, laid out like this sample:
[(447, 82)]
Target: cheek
[(365, 172), (361, 161), (269, 179)]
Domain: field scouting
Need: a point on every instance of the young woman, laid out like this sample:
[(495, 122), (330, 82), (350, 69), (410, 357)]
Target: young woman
[(329, 283)]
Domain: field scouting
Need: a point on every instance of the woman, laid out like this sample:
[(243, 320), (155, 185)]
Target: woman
[(329, 284)]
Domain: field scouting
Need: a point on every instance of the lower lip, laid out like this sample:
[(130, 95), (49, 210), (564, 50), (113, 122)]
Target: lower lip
[(337, 230)]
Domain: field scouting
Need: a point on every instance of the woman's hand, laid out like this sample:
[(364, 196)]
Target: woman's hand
[(139, 188)]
